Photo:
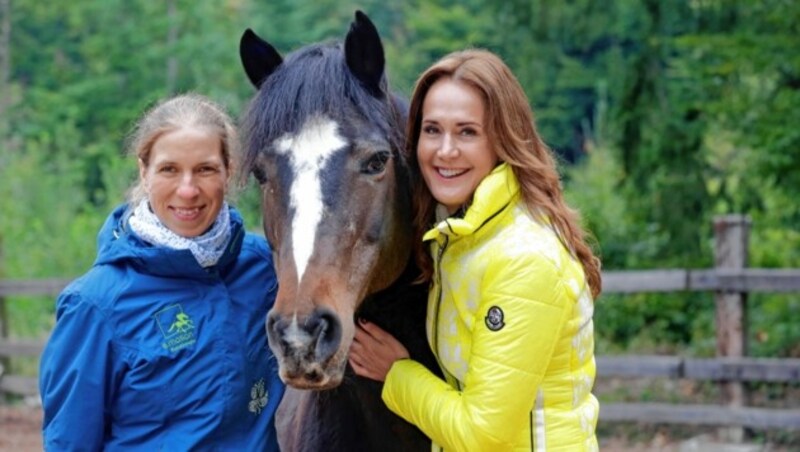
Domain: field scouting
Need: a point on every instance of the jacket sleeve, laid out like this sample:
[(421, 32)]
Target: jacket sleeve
[(506, 365), (75, 377)]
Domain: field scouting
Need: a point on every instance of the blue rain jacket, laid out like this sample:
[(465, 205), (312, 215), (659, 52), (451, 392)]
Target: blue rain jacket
[(152, 352)]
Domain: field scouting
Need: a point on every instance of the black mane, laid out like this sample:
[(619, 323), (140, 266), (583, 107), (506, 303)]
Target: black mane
[(345, 82)]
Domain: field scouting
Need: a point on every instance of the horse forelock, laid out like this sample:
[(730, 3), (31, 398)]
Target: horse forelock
[(313, 81)]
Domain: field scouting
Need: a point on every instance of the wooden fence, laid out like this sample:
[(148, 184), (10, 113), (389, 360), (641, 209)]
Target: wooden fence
[(730, 281)]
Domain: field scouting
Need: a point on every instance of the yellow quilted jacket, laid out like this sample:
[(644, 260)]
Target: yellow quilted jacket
[(510, 321)]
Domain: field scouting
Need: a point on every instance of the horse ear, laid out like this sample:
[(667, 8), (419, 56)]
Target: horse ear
[(364, 53), (259, 58)]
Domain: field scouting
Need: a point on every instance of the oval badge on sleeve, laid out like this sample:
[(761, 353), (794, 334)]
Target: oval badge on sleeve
[(494, 319)]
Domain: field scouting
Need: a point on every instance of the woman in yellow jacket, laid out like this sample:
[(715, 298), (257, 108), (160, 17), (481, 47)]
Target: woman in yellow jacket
[(512, 278)]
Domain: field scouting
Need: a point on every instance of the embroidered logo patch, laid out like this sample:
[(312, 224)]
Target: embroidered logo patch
[(176, 326), (494, 319), (258, 397)]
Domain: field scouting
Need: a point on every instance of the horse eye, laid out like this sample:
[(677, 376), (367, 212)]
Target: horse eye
[(376, 163), (260, 175)]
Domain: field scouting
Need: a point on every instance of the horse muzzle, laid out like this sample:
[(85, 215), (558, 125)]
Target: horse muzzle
[(308, 348)]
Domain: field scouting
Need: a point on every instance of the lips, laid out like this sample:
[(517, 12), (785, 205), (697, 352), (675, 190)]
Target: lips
[(186, 214), (449, 173)]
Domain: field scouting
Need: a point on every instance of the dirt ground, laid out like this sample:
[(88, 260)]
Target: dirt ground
[(21, 429)]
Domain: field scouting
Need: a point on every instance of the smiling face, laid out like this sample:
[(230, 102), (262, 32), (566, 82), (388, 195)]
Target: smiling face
[(185, 180), (453, 150)]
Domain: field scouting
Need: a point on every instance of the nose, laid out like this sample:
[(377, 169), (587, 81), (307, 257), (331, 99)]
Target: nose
[(314, 338), (449, 147), (187, 188)]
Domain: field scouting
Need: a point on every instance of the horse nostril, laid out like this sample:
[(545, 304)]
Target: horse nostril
[(276, 329), (326, 331), (313, 376), (273, 322), (316, 340)]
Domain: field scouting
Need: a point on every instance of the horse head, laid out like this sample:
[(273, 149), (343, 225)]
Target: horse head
[(324, 138)]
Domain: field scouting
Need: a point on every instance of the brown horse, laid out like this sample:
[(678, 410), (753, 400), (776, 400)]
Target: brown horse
[(324, 138)]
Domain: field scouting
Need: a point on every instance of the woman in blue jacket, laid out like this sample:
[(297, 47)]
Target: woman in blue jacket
[(161, 344)]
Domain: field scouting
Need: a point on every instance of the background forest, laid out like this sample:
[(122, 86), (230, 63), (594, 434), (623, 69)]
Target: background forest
[(664, 113)]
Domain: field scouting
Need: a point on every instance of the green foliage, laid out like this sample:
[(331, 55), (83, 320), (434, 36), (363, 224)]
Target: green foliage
[(44, 214), (672, 112), (592, 189), (672, 321), (771, 329), (429, 30), (671, 324)]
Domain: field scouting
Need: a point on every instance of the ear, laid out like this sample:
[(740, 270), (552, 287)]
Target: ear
[(142, 184), (142, 169), (364, 53), (259, 58)]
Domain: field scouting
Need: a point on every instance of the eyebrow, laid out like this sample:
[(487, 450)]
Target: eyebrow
[(204, 162), (462, 123)]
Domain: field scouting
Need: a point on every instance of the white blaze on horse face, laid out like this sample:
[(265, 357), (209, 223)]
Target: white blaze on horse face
[(308, 150)]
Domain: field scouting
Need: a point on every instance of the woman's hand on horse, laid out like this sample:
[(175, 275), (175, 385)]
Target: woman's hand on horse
[(374, 351)]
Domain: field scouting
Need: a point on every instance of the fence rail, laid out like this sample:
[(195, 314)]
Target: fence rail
[(620, 282), (730, 280), (715, 280), (667, 413), (711, 369), (723, 369), (22, 287), (11, 348)]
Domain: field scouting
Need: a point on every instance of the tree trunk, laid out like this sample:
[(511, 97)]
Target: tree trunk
[(172, 38), (5, 73), (5, 362)]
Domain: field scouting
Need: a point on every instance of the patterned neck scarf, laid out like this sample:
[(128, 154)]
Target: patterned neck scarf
[(207, 248)]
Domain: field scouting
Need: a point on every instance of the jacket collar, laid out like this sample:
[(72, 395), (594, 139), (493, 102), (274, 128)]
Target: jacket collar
[(116, 243), (495, 192)]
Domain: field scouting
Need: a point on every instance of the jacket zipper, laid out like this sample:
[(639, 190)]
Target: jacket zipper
[(438, 271), (453, 381)]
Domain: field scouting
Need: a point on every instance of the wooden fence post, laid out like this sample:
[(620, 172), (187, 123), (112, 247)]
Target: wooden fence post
[(3, 313), (731, 238), (4, 361)]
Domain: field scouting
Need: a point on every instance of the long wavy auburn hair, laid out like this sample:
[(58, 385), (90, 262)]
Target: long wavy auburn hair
[(510, 127)]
